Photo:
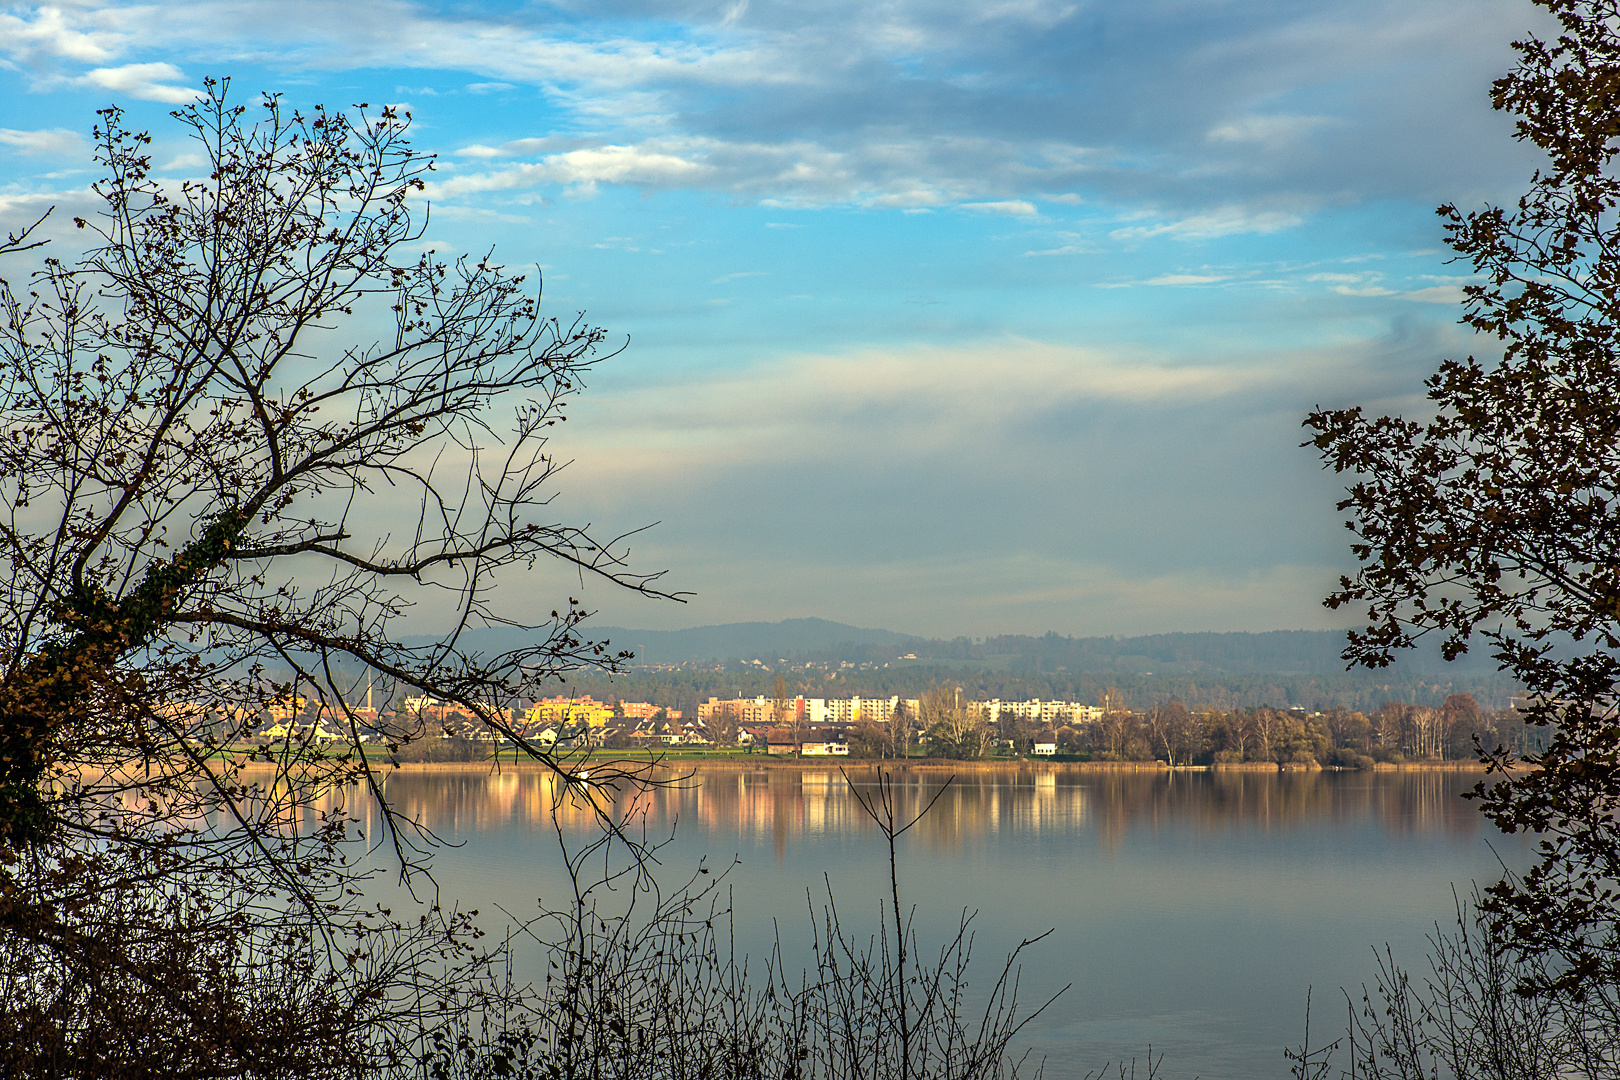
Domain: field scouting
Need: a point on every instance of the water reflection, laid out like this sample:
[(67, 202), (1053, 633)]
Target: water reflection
[(1191, 910), (789, 805)]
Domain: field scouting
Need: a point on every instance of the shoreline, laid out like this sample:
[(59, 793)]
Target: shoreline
[(760, 763)]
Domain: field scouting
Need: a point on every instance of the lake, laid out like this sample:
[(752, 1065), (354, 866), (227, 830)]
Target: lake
[(1189, 910)]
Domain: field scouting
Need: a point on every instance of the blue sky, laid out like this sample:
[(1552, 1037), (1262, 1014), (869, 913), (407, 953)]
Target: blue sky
[(943, 317)]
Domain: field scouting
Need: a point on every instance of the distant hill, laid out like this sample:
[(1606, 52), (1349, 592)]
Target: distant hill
[(1278, 652), (1221, 670), (729, 641), (745, 641)]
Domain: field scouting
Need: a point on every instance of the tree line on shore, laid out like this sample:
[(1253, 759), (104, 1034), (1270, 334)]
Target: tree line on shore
[(1394, 732)]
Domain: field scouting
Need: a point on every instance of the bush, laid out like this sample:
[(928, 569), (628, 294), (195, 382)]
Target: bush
[(451, 749), (1345, 758), (1465, 1016)]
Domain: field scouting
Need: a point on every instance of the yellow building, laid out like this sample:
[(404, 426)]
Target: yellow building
[(283, 709), (568, 711)]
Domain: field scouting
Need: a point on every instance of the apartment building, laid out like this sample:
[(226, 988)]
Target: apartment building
[(284, 709), (748, 711), (566, 710), (858, 710), (817, 712), (1037, 711), (646, 710)]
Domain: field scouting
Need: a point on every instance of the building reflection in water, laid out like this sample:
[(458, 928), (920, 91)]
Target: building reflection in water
[(789, 804)]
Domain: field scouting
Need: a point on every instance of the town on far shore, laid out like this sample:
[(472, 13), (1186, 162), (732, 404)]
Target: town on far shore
[(939, 723)]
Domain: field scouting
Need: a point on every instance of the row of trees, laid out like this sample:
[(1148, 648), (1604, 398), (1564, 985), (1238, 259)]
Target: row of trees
[(1394, 732), (1171, 732)]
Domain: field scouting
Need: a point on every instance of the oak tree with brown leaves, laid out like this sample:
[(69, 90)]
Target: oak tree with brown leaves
[(1494, 519)]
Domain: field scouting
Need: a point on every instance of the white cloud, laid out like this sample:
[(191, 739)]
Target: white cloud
[(791, 175), (150, 82), (57, 142), (1227, 221), (1052, 481), (625, 165), (1267, 131), (928, 397), (525, 147), (1436, 294), (582, 169), (1006, 207), (908, 97), (1066, 249), (58, 33), (185, 161), (1185, 279)]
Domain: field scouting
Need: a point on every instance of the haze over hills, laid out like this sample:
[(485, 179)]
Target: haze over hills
[(1271, 652), (1217, 670), (729, 641), (748, 640)]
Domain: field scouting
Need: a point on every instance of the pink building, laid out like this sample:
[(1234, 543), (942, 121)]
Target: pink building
[(644, 710)]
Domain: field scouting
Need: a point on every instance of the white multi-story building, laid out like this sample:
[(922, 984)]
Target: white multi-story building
[(841, 712), (857, 710), (817, 712), (750, 711), (1037, 711)]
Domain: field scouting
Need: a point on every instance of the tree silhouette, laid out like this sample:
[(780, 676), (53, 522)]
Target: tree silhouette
[(211, 418), (1497, 516)]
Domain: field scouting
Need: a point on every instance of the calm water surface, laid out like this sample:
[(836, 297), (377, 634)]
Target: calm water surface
[(1189, 910)]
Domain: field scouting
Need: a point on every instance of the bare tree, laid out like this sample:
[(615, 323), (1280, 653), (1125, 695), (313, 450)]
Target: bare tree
[(1389, 724), (1423, 730), (1266, 726), (1013, 729), (723, 726), (1240, 729), (898, 730), (1112, 729), (1176, 731), (1349, 730), (959, 730), (795, 721), (210, 420)]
